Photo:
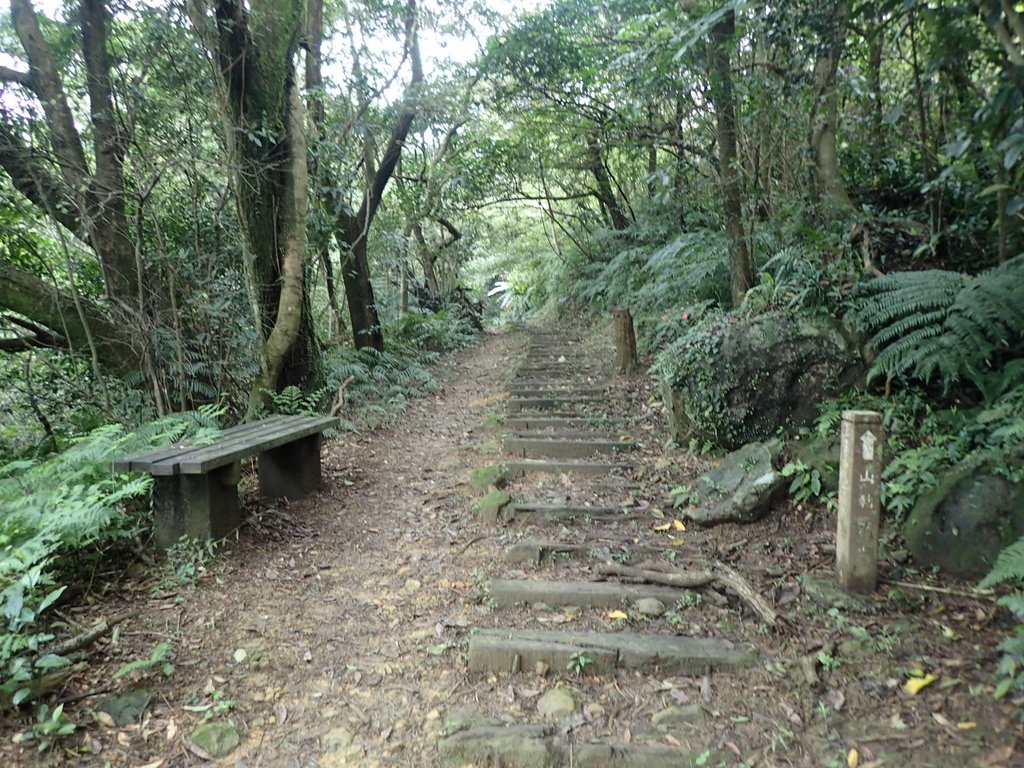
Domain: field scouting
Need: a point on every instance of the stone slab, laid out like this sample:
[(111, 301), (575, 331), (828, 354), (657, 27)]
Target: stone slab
[(569, 390), (560, 513), (507, 650), (550, 403), (586, 594), (526, 447), (541, 746), (514, 469), (537, 552), (547, 421)]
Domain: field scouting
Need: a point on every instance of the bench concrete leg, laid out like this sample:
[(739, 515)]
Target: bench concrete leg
[(291, 471), (196, 506)]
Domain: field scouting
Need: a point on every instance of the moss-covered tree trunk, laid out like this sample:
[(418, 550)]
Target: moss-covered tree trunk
[(255, 45)]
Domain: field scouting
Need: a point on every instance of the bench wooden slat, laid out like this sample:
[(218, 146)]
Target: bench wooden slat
[(204, 458), (141, 462)]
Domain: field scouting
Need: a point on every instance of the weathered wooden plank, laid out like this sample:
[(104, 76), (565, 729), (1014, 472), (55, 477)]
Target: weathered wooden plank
[(586, 594), (140, 462), (507, 650), (205, 459)]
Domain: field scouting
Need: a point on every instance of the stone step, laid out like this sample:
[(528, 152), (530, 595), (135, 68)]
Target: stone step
[(560, 382), (520, 404), (541, 746), (548, 421), (511, 650), (514, 469), (585, 594), (562, 513), (569, 390), (563, 449), (538, 552)]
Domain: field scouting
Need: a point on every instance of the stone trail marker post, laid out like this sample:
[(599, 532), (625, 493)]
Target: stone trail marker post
[(860, 469)]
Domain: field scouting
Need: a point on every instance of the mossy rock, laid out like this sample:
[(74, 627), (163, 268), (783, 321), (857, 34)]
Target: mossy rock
[(962, 524), (490, 506), (742, 378), (492, 475)]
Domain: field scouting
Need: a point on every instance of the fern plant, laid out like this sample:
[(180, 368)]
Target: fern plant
[(1009, 569), (939, 324)]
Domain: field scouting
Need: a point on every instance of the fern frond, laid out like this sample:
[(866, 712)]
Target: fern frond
[(936, 323), (1009, 566)]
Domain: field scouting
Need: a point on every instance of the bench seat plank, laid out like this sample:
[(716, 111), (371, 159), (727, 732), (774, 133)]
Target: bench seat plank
[(202, 460), (141, 462)]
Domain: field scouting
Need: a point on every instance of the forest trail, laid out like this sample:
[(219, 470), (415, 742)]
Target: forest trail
[(377, 623)]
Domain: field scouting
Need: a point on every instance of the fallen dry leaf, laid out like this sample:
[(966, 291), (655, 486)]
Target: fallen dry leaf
[(914, 685)]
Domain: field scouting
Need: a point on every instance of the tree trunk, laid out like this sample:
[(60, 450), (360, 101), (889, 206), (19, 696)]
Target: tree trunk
[(317, 171), (255, 45), (723, 100), (80, 324), (353, 229), (58, 179), (828, 180), (292, 304), (605, 194)]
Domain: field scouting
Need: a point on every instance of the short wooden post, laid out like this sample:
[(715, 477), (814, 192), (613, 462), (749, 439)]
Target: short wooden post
[(860, 469), (625, 340)]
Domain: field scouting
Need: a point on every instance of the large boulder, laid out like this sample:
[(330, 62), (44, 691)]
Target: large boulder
[(962, 524), (740, 379), (740, 489)]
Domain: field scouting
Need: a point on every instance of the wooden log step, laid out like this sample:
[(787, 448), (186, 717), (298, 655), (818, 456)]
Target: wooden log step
[(539, 552), (514, 469), (586, 594), (511, 650), (539, 746), (519, 404)]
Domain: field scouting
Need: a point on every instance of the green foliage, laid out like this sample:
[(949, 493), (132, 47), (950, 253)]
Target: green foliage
[(806, 483), (293, 401), (578, 662), (59, 508), (687, 273), (157, 658), (946, 325), (51, 726), (1009, 569)]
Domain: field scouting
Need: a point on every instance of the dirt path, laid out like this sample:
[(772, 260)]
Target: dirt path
[(336, 630)]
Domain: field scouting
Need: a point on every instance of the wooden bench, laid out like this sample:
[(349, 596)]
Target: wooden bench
[(195, 491)]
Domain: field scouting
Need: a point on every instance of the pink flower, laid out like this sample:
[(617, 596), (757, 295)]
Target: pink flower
[(685, 316)]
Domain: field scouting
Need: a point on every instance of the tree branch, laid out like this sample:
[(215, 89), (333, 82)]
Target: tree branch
[(8, 75), (46, 82)]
